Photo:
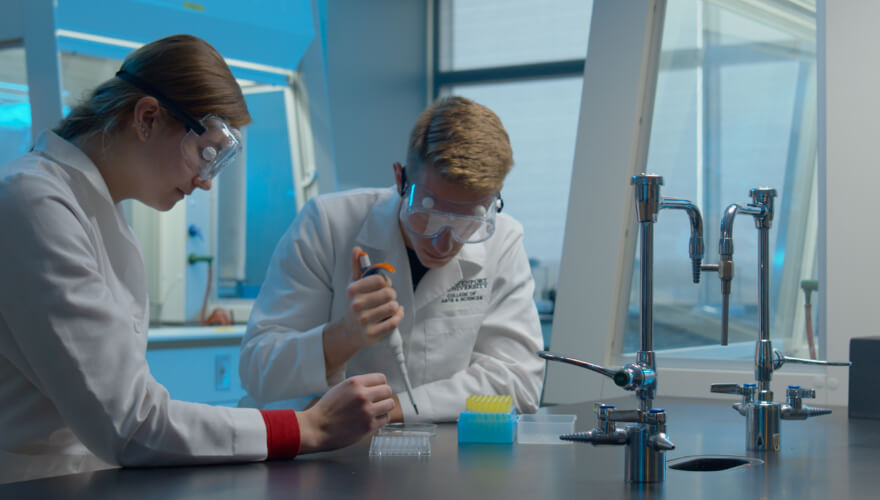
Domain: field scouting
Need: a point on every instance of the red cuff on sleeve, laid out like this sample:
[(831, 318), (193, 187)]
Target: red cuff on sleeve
[(282, 433)]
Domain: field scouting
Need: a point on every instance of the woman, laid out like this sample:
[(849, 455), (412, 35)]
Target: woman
[(76, 393)]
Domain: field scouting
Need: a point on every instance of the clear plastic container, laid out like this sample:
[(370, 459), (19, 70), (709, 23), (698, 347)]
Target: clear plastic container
[(544, 428), (402, 429), (400, 445)]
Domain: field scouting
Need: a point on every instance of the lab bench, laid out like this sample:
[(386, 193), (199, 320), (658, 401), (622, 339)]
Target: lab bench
[(825, 457)]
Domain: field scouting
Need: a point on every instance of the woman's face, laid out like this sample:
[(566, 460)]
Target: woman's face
[(164, 176)]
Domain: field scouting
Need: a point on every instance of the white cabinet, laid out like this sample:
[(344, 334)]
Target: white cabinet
[(197, 364)]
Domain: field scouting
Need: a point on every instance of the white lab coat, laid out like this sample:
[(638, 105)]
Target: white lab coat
[(471, 327), (76, 393)]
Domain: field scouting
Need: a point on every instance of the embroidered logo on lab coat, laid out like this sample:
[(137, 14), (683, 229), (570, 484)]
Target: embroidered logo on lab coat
[(467, 291)]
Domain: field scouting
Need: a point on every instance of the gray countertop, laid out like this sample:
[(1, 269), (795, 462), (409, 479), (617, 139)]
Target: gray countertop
[(825, 457)]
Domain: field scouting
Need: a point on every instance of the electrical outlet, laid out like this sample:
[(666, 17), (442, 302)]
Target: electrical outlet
[(222, 372)]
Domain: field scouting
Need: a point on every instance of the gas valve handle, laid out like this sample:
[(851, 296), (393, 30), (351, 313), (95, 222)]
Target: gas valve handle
[(794, 393), (780, 359)]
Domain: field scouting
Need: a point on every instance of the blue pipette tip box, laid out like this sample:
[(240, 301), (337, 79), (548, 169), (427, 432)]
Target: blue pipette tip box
[(477, 427)]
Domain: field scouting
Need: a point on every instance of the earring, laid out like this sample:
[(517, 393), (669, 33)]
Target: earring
[(144, 130)]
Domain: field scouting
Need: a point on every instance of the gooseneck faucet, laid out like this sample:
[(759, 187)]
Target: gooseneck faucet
[(763, 215), (762, 413), (645, 438)]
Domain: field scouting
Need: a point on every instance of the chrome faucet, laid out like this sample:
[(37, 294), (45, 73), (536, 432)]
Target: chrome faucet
[(646, 441), (762, 413), (645, 438)]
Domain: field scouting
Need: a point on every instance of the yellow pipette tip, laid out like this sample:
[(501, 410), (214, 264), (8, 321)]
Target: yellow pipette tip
[(489, 403)]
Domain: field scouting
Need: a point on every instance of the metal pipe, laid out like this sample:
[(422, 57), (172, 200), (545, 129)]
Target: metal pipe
[(634, 416), (550, 356), (725, 264), (725, 246), (647, 286), (779, 359), (648, 386), (725, 243), (763, 200), (764, 281), (725, 315), (821, 362), (763, 364), (697, 245)]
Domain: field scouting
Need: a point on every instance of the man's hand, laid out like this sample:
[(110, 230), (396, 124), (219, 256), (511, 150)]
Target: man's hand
[(396, 414), (372, 314), (350, 410)]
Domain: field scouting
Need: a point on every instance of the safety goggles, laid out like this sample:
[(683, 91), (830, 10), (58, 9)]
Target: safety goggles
[(428, 216), (209, 144), (207, 153)]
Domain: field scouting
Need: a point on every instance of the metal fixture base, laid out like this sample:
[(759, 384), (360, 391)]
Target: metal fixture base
[(644, 464), (762, 426)]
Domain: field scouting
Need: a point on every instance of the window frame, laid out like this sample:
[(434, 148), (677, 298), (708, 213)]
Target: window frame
[(682, 376)]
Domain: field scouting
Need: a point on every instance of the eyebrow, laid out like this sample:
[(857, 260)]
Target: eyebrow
[(475, 202)]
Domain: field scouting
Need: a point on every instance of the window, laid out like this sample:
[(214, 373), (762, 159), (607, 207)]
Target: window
[(735, 108), (15, 109), (260, 197), (524, 60), (478, 34), (81, 73)]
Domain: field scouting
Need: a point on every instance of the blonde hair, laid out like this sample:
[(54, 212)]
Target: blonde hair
[(464, 141), (188, 70)]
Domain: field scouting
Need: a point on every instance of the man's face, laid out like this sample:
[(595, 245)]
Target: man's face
[(436, 251)]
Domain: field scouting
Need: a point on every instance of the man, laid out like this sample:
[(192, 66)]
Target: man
[(461, 294)]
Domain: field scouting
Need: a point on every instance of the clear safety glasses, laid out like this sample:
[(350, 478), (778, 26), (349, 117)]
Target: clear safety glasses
[(209, 144), (428, 216), (207, 153)]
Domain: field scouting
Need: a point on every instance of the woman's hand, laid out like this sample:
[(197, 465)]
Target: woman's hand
[(348, 411)]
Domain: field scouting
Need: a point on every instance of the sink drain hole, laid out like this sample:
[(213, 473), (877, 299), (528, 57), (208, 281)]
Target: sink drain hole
[(712, 463)]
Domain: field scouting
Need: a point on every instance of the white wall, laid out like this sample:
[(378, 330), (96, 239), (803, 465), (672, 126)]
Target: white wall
[(11, 26), (611, 144), (376, 71), (849, 176), (314, 70)]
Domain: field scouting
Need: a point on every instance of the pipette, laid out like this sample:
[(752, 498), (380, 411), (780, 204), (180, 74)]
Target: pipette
[(394, 339)]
